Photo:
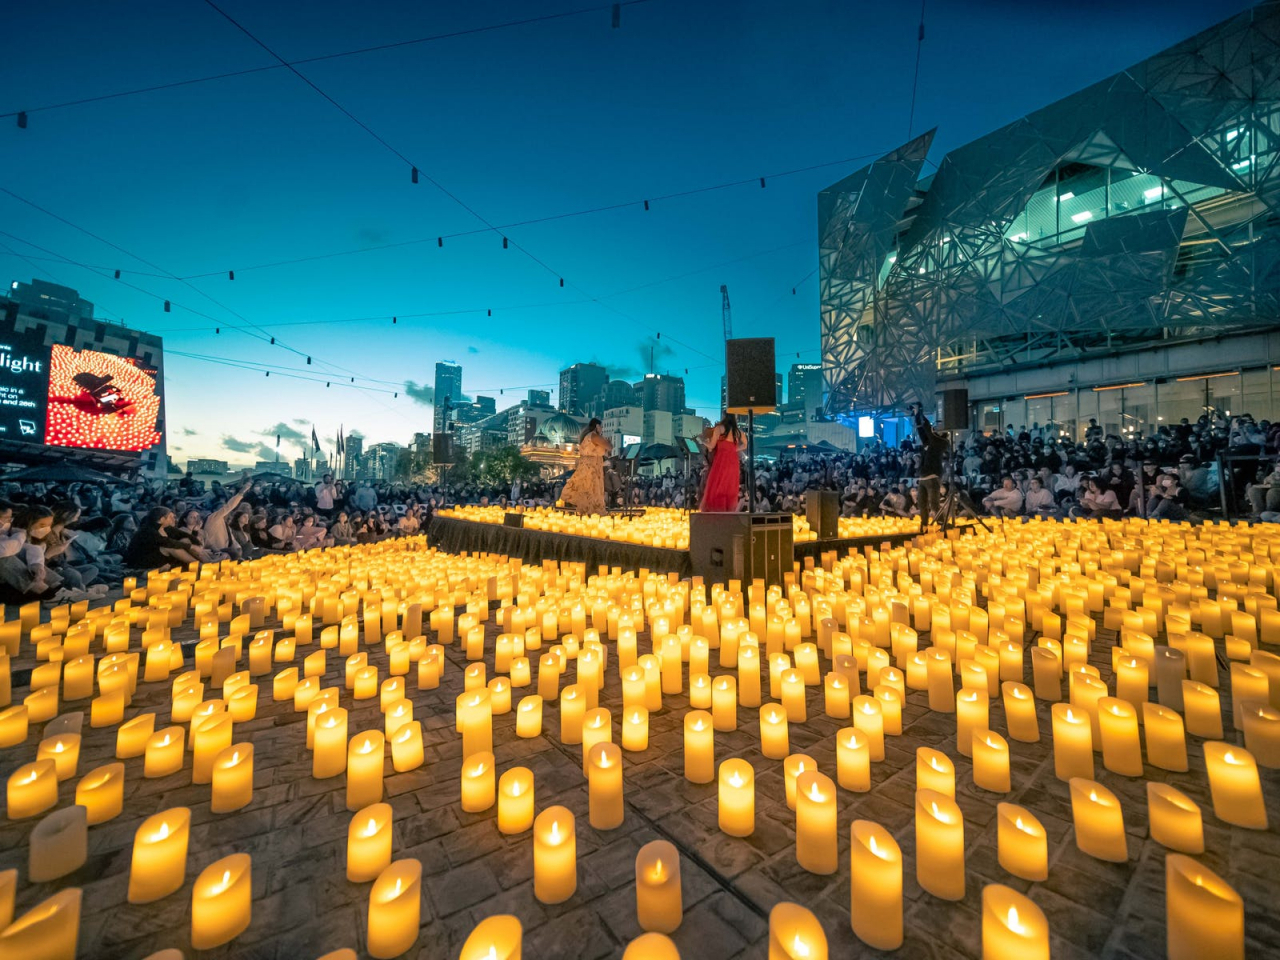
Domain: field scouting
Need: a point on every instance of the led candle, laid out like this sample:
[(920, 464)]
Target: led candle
[(876, 889), (48, 931), (939, 845), (1202, 710), (699, 747), (1165, 736), (364, 684), (1121, 752), (658, 900), (1204, 916), (1171, 670), (671, 665), (8, 890), (59, 844), (555, 855), (232, 778), (816, 846), (1072, 743), (573, 708), (395, 908), (1022, 842), (942, 695), (529, 717), (1175, 819), (369, 842), (1020, 712), (285, 684), (635, 729), (42, 705), (972, 714), (515, 800), (399, 714), (774, 741), (64, 751), (737, 798), (791, 683), (1013, 927), (366, 755), (597, 727), (475, 721), (1235, 786), (242, 704), (221, 902), (794, 765), (724, 703), (1261, 723), (853, 760), (1099, 821), (101, 792), (749, 692), (990, 753), (329, 754), (164, 752), (494, 938), (210, 738), (159, 864), (1046, 673), (869, 718), (14, 724), (548, 676), (795, 934)]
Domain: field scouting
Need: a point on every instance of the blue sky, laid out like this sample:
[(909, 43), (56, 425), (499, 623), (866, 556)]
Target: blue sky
[(519, 123)]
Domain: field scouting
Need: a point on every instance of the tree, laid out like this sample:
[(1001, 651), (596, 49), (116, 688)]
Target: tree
[(505, 465)]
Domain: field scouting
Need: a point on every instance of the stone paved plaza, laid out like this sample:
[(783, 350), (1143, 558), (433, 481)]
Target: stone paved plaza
[(295, 829)]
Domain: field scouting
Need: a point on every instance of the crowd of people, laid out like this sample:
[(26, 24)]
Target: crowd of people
[(61, 542)]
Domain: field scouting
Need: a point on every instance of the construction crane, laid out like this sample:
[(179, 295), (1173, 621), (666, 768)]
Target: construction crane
[(724, 310)]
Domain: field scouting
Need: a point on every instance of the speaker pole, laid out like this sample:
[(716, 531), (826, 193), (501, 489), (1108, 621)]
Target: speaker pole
[(751, 461)]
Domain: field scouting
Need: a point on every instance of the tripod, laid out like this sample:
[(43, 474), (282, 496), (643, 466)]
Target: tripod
[(955, 503)]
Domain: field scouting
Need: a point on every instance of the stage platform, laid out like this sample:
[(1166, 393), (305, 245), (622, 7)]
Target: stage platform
[(533, 546)]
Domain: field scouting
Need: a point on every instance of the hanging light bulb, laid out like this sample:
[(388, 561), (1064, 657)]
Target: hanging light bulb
[(439, 241), (117, 274), (217, 330), (562, 281), (326, 383), (491, 313), (268, 373), (166, 307), (273, 341), (413, 175), (308, 361), (646, 204), (22, 119), (231, 274), (504, 243), (762, 183), (393, 321)]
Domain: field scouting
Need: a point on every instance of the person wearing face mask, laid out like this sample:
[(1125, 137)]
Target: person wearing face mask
[(11, 540), (23, 574)]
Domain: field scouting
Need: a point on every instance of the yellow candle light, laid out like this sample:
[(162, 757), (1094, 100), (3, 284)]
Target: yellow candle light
[(635, 729), (1235, 786), (366, 756), (395, 908), (853, 760), (59, 844), (816, 845), (658, 899), (221, 902), (494, 938), (529, 717), (242, 704), (837, 702), (210, 738), (475, 721), (329, 754), (64, 751), (749, 676), (555, 855), (365, 683), (479, 783), (876, 889), (101, 792), (400, 713), (990, 753), (369, 842), (794, 765), (1261, 724), (1204, 916), (869, 718), (159, 864), (1020, 712), (14, 724), (795, 934), (699, 747), (1121, 749), (1013, 927), (939, 845), (1166, 737), (1072, 743), (48, 931), (573, 709), (1202, 709), (792, 684), (1022, 843), (774, 741), (597, 727), (700, 691), (1175, 819), (737, 798), (164, 752), (232, 778), (515, 800), (1099, 821)]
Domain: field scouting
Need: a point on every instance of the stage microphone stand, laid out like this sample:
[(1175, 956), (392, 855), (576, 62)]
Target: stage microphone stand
[(751, 461)]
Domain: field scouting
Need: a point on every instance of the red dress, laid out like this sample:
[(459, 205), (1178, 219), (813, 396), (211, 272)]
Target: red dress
[(723, 479)]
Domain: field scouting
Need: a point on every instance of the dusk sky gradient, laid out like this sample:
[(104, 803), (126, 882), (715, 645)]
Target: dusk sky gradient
[(520, 123)]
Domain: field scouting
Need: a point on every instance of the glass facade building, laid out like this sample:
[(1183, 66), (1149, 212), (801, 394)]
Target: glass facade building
[(1140, 214)]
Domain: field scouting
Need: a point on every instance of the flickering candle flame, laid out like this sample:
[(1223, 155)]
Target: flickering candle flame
[(1014, 925), (799, 947)]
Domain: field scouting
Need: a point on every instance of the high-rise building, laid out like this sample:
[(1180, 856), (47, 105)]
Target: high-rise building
[(661, 391), (541, 398), (207, 467), (580, 384), (804, 387), (353, 452), (616, 393), (777, 381), (448, 385), (50, 301)]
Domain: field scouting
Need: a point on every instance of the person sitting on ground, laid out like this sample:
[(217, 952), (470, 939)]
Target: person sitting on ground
[(75, 572), (123, 527), (217, 536), (309, 535), (1096, 501), (341, 531), (23, 575), (1039, 501), (154, 545), (1006, 501), (12, 539), (1170, 501)]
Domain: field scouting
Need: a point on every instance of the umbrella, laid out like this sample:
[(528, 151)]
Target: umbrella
[(269, 477), (62, 473), (660, 451)]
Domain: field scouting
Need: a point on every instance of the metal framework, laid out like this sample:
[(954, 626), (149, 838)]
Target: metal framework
[(1146, 206)]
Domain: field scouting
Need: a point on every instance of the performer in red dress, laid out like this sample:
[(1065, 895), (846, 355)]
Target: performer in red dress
[(725, 475)]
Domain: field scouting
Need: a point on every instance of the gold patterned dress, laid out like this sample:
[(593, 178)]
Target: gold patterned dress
[(585, 489)]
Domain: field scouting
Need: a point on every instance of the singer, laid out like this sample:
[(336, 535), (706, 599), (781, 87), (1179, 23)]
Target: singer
[(585, 489), (725, 476)]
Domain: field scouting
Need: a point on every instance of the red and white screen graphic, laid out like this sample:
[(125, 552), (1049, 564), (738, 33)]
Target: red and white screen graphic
[(101, 401)]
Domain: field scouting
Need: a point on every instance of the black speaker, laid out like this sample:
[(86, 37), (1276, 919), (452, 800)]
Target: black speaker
[(953, 409), (442, 448), (741, 546), (822, 510), (511, 519), (750, 378)]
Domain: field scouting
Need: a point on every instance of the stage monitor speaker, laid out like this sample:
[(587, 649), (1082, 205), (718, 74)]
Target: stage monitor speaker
[(442, 448), (822, 510), (751, 384), (953, 409), (741, 546)]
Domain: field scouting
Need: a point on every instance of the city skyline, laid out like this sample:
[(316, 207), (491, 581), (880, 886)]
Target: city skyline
[(177, 189)]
